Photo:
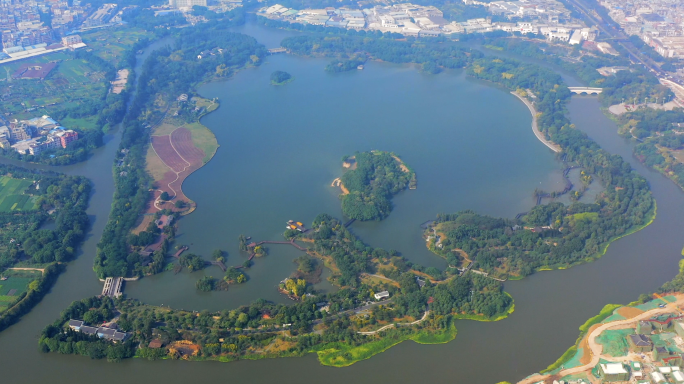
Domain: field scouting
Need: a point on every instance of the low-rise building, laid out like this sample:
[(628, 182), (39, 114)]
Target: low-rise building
[(75, 324), (613, 372), (382, 295), (640, 343), (658, 377), (576, 37)]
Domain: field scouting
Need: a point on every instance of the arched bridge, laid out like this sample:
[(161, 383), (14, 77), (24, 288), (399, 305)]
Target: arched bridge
[(587, 90)]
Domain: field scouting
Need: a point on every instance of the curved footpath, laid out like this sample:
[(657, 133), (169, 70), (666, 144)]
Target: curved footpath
[(597, 349), (388, 326), (553, 146)]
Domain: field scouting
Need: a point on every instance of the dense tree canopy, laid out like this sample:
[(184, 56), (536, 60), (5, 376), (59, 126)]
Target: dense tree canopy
[(376, 178), (167, 73)]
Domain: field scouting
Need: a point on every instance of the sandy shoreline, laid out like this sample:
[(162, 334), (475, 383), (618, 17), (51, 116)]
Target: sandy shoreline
[(553, 146)]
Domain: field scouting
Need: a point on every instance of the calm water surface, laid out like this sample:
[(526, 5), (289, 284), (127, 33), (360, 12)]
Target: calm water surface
[(470, 144), (472, 148)]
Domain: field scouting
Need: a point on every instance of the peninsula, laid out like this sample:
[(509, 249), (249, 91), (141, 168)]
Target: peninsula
[(553, 146)]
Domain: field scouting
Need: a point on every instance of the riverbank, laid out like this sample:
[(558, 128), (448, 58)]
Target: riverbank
[(553, 146)]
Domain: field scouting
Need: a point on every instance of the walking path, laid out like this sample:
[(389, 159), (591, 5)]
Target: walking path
[(597, 349), (553, 146), (388, 326), (28, 269), (185, 168)]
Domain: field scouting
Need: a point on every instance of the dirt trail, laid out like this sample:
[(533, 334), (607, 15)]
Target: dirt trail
[(28, 269)]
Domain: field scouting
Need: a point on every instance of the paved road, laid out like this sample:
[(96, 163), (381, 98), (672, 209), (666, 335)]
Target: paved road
[(609, 29), (597, 349)]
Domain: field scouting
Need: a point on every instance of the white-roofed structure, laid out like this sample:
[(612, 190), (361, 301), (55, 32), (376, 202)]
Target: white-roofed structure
[(382, 295), (576, 37), (678, 376), (658, 377), (613, 372)]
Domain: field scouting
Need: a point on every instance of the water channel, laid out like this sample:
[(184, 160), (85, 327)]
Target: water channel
[(472, 148)]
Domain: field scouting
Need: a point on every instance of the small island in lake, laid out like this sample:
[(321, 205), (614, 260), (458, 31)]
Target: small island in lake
[(370, 182), (280, 78)]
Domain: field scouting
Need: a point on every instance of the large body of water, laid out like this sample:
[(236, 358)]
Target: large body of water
[(472, 148)]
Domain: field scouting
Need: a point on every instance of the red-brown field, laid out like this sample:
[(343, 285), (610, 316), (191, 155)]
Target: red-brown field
[(162, 146), (182, 142), (180, 155)]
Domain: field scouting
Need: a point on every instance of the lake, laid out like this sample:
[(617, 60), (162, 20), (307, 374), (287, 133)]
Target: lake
[(472, 148)]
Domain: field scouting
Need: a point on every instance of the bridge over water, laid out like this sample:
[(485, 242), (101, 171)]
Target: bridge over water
[(587, 90), (677, 89), (277, 50)]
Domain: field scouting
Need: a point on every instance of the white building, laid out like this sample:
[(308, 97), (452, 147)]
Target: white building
[(576, 37), (387, 21), (382, 295)]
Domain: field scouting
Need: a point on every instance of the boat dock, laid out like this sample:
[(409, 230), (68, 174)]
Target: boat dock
[(291, 224), (112, 287), (277, 50)]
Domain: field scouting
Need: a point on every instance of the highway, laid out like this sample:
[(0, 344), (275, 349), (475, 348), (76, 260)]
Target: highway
[(608, 27)]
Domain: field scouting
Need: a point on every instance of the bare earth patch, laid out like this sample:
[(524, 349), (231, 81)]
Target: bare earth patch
[(143, 222), (584, 346), (629, 312), (403, 167)]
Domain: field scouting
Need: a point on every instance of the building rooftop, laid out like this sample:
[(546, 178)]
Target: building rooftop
[(613, 368), (88, 330), (640, 340)]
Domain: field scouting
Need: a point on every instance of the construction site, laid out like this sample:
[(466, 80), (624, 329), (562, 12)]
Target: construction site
[(637, 344)]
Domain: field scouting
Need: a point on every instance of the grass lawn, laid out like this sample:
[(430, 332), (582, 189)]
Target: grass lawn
[(82, 123), (154, 166), (18, 284), (204, 139), (12, 197)]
